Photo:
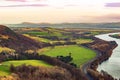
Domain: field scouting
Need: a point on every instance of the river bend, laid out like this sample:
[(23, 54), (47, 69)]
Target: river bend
[(112, 65)]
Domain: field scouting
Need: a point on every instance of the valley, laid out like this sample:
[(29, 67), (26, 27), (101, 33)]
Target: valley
[(68, 49)]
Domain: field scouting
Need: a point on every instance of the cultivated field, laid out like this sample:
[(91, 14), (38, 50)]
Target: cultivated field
[(80, 54), (4, 67)]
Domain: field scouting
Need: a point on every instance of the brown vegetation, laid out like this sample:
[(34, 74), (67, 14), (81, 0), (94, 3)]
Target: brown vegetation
[(41, 73), (105, 50), (16, 41), (76, 73)]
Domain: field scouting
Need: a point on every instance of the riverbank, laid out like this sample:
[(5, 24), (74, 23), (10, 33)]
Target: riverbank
[(117, 36), (105, 49)]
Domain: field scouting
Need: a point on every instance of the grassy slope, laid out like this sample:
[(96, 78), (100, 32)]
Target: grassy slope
[(82, 40), (52, 33), (80, 54), (78, 41), (116, 36), (38, 33), (37, 38), (4, 67)]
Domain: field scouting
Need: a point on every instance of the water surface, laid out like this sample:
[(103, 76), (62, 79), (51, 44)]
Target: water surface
[(112, 65)]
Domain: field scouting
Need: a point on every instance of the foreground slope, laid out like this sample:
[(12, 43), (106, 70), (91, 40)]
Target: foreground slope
[(10, 39)]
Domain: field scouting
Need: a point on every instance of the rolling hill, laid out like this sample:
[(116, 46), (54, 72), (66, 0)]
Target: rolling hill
[(112, 25), (18, 42)]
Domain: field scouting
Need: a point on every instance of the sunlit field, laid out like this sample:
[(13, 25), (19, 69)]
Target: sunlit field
[(80, 54), (4, 66)]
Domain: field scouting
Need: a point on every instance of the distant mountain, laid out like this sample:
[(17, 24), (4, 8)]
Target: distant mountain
[(29, 24), (10, 39), (68, 25)]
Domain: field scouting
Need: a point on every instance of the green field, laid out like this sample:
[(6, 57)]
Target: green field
[(4, 67), (37, 33), (53, 33), (78, 41), (38, 38), (80, 54), (82, 40), (116, 36)]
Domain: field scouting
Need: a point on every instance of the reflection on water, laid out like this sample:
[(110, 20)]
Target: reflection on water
[(112, 66)]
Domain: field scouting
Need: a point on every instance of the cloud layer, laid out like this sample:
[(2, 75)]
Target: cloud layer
[(17, 0), (25, 5), (116, 4)]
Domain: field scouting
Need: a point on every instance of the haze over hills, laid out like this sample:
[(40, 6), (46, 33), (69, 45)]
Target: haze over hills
[(115, 25), (18, 42)]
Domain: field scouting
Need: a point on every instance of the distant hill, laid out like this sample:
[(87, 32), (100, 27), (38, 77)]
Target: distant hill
[(10, 39), (29, 24), (69, 25)]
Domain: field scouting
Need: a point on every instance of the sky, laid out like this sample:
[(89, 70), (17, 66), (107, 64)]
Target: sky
[(59, 11)]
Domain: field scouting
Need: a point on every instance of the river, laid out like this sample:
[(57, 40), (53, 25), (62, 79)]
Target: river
[(112, 65)]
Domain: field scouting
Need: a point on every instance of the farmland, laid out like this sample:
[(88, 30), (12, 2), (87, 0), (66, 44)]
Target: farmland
[(4, 67), (80, 54), (31, 45)]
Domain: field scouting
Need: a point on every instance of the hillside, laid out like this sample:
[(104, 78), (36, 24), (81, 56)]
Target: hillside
[(10, 39), (114, 25)]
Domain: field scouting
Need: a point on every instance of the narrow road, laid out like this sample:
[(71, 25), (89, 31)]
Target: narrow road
[(84, 70), (87, 65)]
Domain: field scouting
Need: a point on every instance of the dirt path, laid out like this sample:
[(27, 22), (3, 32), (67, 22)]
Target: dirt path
[(87, 65)]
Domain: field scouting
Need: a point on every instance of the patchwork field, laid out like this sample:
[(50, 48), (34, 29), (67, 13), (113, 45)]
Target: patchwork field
[(82, 40), (38, 38), (48, 33), (80, 54), (78, 41), (4, 67), (61, 43)]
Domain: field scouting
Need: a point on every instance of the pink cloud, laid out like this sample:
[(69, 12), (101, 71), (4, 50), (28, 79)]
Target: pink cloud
[(71, 5), (24, 0), (109, 17), (26, 5), (17, 0), (116, 4)]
